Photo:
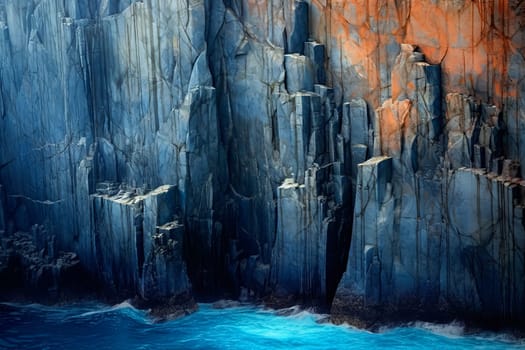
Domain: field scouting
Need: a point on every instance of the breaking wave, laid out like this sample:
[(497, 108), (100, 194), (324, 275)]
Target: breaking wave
[(223, 325)]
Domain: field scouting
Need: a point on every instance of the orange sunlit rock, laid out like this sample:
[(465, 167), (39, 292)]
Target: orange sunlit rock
[(475, 41), (393, 117)]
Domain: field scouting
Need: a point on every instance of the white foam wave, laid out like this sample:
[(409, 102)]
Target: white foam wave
[(515, 340), (455, 329), (33, 306), (298, 312), (124, 307)]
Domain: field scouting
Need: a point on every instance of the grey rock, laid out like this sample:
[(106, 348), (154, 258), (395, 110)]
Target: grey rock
[(359, 154), (358, 116), (106, 160), (160, 206), (2, 213), (164, 273), (424, 234), (355, 127), (462, 130), (122, 76), (137, 246), (511, 169), (373, 213), (372, 276), (148, 96), (475, 242), (299, 256), (298, 33), (316, 53), (40, 273), (200, 75), (200, 94), (479, 158), (116, 239), (299, 73), (1, 103)]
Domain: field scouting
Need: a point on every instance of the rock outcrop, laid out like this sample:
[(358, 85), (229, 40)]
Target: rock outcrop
[(137, 242), (247, 138), (43, 274), (2, 219), (431, 235), (124, 94)]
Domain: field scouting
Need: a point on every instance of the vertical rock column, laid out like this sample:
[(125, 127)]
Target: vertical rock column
[(462, 131), (299, 27), (448, 239), (138, 242), (2, 213), (482, 267), (314, 200), (394, 234), (299, 255), (117, 223), (316, 53), (163, 270), (370, 260), (203, 180), (85, 180), (355, 131)]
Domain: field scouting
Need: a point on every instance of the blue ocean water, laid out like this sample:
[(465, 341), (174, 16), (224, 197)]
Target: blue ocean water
[(94, 326)]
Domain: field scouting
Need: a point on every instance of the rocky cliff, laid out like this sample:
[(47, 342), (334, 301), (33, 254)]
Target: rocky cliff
[(438, 225), (286, 147)]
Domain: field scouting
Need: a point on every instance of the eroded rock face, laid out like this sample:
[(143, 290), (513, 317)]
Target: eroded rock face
[(426, 227), (124, 94), (30, 264), (137, 242), (2, 219), (264, 117)]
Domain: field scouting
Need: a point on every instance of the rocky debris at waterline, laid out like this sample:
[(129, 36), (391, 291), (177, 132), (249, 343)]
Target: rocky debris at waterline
[(167, 309), (39, 271)]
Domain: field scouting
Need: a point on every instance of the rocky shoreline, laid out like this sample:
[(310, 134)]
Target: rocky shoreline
[(287, 151)]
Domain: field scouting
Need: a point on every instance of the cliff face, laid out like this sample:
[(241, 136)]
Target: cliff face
[(108, 92), (431, 233), (479, 45), (218, 142)]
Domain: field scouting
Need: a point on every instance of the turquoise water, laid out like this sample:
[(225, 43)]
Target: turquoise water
[(94, 326)]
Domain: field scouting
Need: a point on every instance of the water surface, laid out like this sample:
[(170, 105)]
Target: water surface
[(95, 326)]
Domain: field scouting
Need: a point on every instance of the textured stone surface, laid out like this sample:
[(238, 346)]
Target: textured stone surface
[(227, 99), (164, 270), (479, 45), (130, 92), (31, 265), (425, 227), (298, 33), (316, 53), (300, 247), (2, 214), (137, 245), (299, 73)]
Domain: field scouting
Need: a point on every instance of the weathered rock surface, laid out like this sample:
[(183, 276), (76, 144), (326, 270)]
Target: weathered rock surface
[(479, 46), (263, 116), (42, 273), (137, 243), (431, 236), (2, 219), (124, 95)]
